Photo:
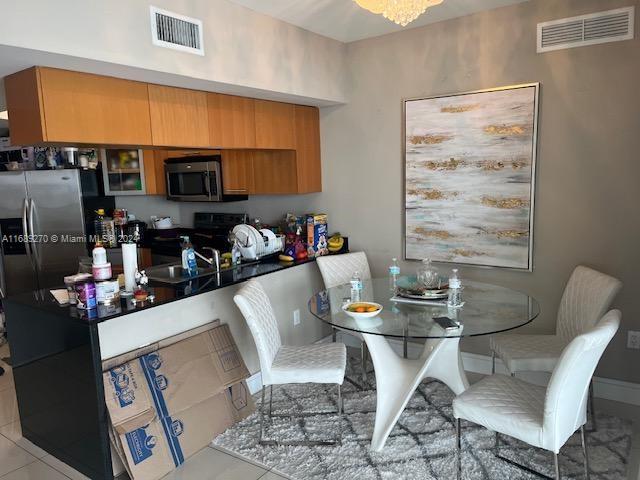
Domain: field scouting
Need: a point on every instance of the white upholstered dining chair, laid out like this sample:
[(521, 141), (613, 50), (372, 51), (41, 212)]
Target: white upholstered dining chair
[(337, 270), (543, 418), (587, 296), (282, 364)]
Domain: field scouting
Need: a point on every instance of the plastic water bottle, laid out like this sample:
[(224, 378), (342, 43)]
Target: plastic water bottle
[(454, 299), (356, 287), (394, 273)]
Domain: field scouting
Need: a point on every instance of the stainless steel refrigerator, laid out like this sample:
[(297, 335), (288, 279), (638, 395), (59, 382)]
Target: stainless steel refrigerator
[(45, 216)]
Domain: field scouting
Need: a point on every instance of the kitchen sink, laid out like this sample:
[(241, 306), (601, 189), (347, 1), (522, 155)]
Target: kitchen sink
[(174, 273)]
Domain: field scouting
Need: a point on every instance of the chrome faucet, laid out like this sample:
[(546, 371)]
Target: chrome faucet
[(214, 260)]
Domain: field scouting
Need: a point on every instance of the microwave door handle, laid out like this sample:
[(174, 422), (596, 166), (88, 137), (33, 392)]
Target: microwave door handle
[(26, 234), (206, 179)]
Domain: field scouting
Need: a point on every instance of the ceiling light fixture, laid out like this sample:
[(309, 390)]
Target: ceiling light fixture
[(401, 12)]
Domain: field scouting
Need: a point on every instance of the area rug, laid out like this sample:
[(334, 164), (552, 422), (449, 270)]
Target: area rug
[(421, 446)]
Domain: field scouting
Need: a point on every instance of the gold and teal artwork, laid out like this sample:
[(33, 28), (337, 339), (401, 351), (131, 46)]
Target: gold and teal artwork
[(469, 177)]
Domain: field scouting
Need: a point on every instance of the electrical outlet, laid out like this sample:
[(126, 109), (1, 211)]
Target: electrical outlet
[(633, 339), (296, 318)]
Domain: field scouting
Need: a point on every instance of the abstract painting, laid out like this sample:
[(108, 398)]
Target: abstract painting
[(469, 177)]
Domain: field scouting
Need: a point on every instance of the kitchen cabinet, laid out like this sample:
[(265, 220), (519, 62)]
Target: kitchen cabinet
[(123, 171), (232, 121), (48, 105), (53, 106), (179, 117), (308, 166), (275, 125), (154, 171), (237, 172), (274, 172)]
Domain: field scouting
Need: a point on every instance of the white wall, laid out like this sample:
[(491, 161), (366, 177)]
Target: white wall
[(588, 170), (243, 48)]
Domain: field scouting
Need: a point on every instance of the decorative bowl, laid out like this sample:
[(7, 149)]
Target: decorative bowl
[(364, 314)]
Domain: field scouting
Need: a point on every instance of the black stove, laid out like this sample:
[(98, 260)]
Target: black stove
[(209, 230)]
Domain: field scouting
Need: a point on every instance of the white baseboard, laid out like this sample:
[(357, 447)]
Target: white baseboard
[(606, 388)]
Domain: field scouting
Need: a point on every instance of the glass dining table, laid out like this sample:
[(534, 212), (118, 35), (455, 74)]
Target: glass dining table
[(488, 309)]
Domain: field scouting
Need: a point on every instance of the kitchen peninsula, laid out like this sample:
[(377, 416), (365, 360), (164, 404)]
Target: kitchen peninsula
[(58, 353)]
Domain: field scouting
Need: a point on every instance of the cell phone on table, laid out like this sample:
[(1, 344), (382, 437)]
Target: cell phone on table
[(447, 323)]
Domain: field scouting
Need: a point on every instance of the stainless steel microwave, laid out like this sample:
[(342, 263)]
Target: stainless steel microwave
[(196, 179)]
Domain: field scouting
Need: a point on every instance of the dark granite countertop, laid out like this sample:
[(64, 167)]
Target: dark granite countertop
[(164, 293)]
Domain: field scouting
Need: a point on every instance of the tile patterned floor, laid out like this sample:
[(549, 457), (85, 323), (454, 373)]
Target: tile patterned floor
[(21, 460)]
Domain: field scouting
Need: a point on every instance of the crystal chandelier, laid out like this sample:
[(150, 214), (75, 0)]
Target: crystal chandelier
[(401, 12)]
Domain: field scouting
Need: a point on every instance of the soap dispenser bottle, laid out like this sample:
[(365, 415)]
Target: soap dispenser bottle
[(189, 264)]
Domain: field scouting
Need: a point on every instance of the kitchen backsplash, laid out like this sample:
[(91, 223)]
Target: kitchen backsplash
[(270, 209)]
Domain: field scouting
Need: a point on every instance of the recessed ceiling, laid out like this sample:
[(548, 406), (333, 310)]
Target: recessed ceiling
[(345, 21)]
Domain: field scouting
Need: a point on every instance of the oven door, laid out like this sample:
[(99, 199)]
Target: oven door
[(188, 181)]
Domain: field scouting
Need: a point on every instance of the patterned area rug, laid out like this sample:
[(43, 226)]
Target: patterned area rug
[(421, 446)]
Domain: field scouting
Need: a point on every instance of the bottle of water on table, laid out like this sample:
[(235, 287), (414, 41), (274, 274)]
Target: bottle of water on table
[(394, 273), (356, 287), (455, 290)]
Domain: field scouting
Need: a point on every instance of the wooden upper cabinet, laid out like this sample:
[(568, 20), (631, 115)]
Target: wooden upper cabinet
[(308, 164), (231, 121), (60, 106), (237, 172), (154, 176), (274, 172), (275, 125), (179, 117)]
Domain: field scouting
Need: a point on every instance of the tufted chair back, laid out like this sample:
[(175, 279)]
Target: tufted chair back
[(256, 308), (586, 298), (566, 399), (338, 269)]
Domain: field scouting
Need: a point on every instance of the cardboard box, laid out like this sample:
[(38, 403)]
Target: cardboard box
[(317, 235), (167, 405)]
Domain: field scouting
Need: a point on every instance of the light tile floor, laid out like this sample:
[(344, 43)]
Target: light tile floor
[(21, 460)]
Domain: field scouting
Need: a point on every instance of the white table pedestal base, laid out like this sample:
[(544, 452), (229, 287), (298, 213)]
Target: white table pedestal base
[(397, 378)]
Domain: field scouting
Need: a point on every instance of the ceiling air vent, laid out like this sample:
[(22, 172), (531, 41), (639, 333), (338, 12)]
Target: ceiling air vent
[(601, 27), (171, 30)]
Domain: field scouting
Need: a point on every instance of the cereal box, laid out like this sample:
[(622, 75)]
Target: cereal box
[(317, 235)]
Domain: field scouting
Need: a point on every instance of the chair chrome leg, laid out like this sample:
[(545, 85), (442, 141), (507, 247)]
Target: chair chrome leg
[(363, 359), (334, 335), (262, 415), (458, 449), (493, 363), (556, 464), (583, 437), (591, 408), (340, 413), (297, 443)]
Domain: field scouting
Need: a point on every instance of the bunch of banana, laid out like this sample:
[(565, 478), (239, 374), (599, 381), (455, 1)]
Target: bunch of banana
[(336, 242)]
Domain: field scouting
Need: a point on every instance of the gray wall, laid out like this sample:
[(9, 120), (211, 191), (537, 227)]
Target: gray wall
[(587, 194)]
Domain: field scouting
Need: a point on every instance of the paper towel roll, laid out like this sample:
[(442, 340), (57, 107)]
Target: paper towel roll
[(130, 265)]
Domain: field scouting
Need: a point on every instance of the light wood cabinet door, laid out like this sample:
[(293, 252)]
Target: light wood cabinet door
[(231, 121), (274, 172), (275, 125), (308, 163), (154, 175), (178, 117), (237, 172), (78, 108)]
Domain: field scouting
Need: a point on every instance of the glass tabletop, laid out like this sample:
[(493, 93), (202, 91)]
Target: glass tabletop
[(487, 309)]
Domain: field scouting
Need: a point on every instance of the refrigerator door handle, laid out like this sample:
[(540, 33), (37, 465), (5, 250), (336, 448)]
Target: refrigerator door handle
[(32, 234), (26, 234)]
